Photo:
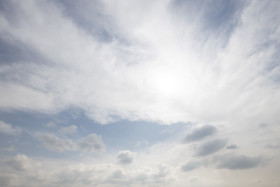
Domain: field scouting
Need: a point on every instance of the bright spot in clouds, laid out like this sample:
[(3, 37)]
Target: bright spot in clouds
[(167, 82), (139, 93)]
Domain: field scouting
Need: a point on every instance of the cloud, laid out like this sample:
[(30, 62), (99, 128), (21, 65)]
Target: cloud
[(118, 177), (55, 143), (148, 72), (20, 162), (239, 162), (157, 177), (8, 179), (68, 130), (200, 133), (232, 146), (162, 61), (8, 149), (9, 129), (15, 96), (125, 157), (210, 147), (91, 143), (50, 124), (273, 146)]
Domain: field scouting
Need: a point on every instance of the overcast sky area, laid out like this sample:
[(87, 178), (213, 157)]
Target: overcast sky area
[(139, 93)]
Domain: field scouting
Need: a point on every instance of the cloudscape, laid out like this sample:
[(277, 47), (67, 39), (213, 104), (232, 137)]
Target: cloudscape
[(139, 93)]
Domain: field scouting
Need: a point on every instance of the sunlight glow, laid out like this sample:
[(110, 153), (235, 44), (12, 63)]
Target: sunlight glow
[(167, 83)]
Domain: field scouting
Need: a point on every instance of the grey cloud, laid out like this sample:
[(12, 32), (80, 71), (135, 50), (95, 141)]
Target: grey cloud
[(55, 143), (200, 133), (210, 147), (263, 125), (91, 143), (239, 162), (232, 146), (125, 157), (190, 166)]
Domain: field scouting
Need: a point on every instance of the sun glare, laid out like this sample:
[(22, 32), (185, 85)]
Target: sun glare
[(167, 83)]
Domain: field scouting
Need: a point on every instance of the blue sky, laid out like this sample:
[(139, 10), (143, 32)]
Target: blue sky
[(139, 93)]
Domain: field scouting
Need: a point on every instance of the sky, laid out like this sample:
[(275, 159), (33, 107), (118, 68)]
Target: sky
[(139, 93)]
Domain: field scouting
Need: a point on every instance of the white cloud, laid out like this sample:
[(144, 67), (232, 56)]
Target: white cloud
[(9, 129), (50, 124), (15, 96), (68, 130)]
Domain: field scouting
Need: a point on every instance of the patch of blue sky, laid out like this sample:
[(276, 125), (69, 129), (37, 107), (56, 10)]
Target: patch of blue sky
[(120, 135), (125, 134)]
